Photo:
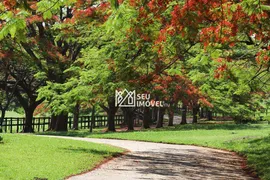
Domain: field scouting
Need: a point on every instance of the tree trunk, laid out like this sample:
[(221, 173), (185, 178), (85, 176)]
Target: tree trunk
[(3, 113), (129, 117), (28, 120), (130, 121), (29, 106), (76, 114), (111, 124), (125, 116), (184, 115), (158, 125), (195, 117), (155, 114), (111, 110), (160, 113), (171, 114), (62, 122), (52, 124), (146, 117), (93, 119), (202, 113), (209, 115), (59, 122)]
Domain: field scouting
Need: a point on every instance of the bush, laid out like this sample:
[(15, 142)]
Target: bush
[(266, 118), (244, 120), (1, 139)]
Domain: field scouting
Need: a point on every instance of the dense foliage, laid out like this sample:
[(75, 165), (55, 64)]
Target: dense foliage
[(204, 53)]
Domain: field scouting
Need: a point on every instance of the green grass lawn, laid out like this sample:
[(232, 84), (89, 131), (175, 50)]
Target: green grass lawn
[(252, 141), (25, 157), (13, 114)]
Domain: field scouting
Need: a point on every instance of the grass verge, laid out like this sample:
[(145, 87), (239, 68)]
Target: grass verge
[(28, 157)]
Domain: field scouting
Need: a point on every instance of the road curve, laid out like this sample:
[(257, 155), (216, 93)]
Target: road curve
[(156, 161)]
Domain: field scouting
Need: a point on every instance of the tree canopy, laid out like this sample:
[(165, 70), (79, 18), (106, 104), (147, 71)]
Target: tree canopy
[(207, 53)]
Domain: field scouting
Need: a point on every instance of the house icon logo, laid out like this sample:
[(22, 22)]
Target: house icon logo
[(125, 98)]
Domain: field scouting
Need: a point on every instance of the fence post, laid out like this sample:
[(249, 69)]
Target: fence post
[(81, 122), (17, 125), (39, 124), (5, 124), (43, 124), (93, 119), (11, 125)]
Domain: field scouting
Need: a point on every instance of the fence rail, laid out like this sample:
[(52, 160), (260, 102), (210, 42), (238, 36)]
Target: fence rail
[(41, 124)]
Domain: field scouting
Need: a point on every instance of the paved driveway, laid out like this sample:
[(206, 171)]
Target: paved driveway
[(164, 161)]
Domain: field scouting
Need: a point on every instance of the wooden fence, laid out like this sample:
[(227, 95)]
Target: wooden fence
[(41, 124)]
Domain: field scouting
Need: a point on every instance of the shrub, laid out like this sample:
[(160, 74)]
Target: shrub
[(244, 120), (1, 139), (266, 118)]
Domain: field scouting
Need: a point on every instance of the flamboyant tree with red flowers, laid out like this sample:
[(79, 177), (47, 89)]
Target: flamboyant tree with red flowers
[(221, 28)]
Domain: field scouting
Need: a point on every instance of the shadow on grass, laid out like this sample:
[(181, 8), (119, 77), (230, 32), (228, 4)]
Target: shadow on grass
[(69, 133), (86, 151), (257, 152)]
